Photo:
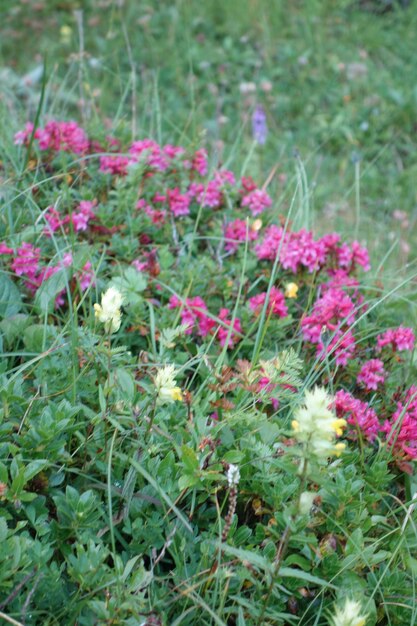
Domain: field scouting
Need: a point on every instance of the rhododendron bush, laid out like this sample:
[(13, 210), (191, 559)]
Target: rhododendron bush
[(140, 437)]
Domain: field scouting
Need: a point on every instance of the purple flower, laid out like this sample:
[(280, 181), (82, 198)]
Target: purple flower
[(259, 127)]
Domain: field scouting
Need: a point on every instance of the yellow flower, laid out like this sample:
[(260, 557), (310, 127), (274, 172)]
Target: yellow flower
[(349, 615), (339, 447), (338, 426), (291, 290), (166, 386), (256, 225), (108, 312), (66, 33), (316, 426)]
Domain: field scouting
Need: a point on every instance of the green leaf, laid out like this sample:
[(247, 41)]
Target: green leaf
[(34, 467), (131, 284), (10, 300), (47, 292), (234, 456), (189, 459), (3, 529), (14, 326)]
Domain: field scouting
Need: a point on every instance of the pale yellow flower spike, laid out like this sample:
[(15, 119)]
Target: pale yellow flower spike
[(317, 426), (349, 615), (108, 312), (166, 386)]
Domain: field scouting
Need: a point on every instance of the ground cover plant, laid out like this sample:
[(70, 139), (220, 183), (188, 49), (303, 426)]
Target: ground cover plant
[(207, 314), (208, 410)]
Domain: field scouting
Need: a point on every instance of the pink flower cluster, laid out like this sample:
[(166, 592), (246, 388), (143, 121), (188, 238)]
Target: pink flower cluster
[(372, 374), (194, 315), (79, 218), (299, 249), (400, 339), (237, 232), (26, 263), (276, 303), (401, 429), (357, 413), (328, 325), (56, 136), (257, 201)]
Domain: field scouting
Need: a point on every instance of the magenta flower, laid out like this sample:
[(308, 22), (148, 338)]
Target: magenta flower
[(372, 374), (178, 202), (276, 304), (223, 331), (193, 315), (26, 261), (257, 201), (358, 414), (401, 429), (400, 339), (237, 232)]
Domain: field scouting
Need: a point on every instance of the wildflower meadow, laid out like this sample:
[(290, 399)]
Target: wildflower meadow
[(208, 385)]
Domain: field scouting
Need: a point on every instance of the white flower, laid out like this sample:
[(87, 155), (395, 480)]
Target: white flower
[(108, 313), (166, 385), (233, 475), (349, 615), (316, 425)]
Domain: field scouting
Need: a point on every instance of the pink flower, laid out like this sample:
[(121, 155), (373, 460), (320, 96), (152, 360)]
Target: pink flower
[(257, 201), (329, 312), (114, 164), (152, 152), (340, 278), (65, 136), (264, 383), (193, 315), (86, 276), (328, 325), (82, 215), (237, 232), (248, 184), (372, 373), (276, 305), (26, 261), (179, 203), (400, 339), (54, 220), (208, 195), (225, 177), (350, 256), (223, 331), (295, 249), (358, 414), (173, 152), (5, 249), (401, 429), (22, 137), (199, 162)]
